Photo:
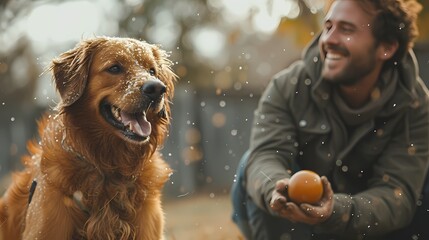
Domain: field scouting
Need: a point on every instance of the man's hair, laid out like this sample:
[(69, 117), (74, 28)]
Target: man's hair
[(396, 20)]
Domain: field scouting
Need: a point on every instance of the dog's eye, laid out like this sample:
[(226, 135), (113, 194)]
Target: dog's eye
[(152, 72), (115, 69)]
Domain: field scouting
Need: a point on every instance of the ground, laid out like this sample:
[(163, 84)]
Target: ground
[(202, 216)]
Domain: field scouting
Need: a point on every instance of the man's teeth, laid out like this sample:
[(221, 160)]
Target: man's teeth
[(333, 56)]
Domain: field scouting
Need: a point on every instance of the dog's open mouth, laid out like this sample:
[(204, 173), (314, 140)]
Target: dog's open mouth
[(134, 125)]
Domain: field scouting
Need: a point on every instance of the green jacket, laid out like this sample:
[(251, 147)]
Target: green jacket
[(375, 157)]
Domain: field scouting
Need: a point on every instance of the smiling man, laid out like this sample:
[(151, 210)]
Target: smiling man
[(355, 111)]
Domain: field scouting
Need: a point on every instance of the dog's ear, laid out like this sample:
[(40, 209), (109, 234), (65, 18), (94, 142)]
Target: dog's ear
[(70, 71)]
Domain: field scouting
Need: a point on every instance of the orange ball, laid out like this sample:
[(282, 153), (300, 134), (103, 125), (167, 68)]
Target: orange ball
[(305, 187)]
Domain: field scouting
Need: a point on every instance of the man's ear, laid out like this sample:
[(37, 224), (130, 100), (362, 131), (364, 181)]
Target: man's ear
[(387, 50), (70, 71)]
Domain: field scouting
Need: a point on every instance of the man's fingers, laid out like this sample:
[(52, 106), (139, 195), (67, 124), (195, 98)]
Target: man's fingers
[(304, 213), (313, 211), (278, 201), (281, 186), (327, 189)]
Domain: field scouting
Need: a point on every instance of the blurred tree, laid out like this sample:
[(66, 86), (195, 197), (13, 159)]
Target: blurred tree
[(175, 24), (221, 48)]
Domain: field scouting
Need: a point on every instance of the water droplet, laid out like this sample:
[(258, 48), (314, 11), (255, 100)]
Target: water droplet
[(419, 203), (411, 150)]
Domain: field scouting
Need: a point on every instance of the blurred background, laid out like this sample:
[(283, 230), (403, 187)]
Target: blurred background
[(224, 51)]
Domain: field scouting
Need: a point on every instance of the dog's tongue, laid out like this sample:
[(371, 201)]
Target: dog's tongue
[(137, 122)]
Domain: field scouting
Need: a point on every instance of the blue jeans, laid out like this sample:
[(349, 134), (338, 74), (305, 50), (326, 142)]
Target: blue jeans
[(255, 223)]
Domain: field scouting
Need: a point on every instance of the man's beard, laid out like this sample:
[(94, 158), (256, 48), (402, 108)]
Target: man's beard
[(353, 72)]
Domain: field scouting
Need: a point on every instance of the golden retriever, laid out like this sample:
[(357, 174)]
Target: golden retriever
[(96, 172)]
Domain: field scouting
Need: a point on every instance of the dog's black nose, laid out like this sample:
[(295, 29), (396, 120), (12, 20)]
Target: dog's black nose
[(154, 89)]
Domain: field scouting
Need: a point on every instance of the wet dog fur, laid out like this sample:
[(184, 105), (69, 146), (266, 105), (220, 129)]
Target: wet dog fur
[(96, 170)]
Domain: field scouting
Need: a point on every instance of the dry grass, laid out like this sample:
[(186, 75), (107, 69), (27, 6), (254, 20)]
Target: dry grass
[(206, 217)]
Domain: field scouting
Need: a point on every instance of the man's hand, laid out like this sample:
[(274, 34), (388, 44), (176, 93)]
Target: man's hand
[(304, 213)]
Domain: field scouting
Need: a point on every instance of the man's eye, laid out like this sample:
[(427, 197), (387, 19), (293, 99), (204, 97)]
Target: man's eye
[(347, 30), (115, 69), (328, 26), (152, 72)]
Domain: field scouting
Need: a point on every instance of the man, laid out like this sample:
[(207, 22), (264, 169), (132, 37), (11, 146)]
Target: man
[(355, 111)]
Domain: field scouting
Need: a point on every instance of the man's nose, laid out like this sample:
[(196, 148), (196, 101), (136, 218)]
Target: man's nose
[(330, 36)]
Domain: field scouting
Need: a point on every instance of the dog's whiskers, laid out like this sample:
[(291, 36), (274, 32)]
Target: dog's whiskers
[(148, 106)]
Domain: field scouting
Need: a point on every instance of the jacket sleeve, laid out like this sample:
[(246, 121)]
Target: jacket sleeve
[(394, 189), (272, 149)]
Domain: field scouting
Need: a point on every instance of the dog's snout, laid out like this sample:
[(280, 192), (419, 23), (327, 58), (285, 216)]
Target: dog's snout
[(154, 89)]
